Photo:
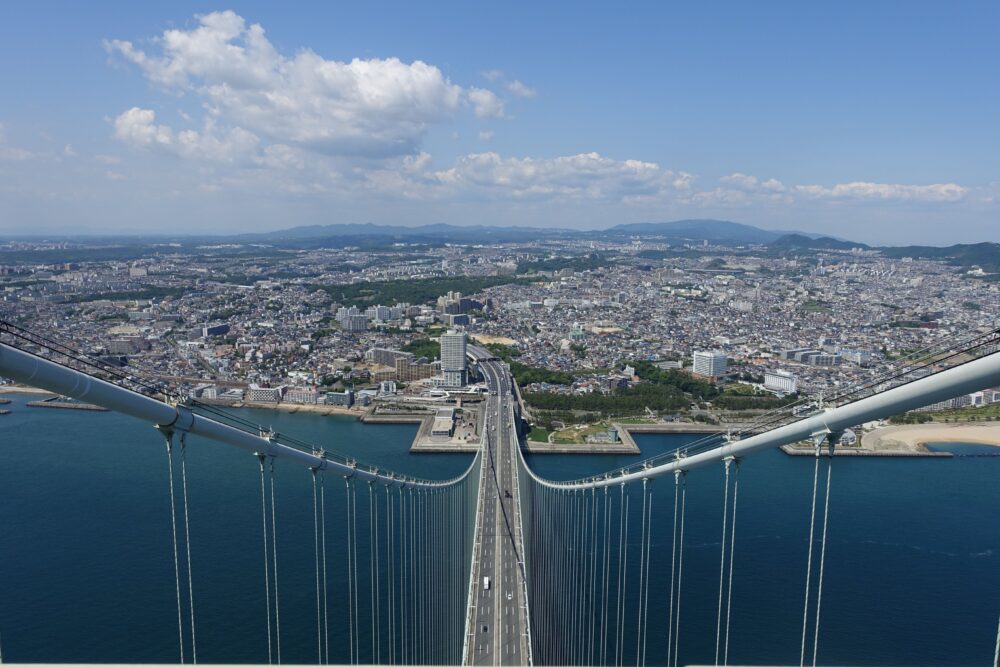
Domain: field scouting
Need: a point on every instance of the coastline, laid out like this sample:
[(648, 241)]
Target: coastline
[(917, 436), (21, 389)]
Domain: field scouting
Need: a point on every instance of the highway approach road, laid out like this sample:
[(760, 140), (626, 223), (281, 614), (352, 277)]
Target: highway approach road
[(498, 629)]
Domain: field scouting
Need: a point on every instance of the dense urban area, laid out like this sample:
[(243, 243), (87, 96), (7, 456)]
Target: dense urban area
[(592, 330)]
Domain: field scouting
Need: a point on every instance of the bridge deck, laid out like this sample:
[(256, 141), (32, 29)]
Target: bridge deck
[(499, 627)]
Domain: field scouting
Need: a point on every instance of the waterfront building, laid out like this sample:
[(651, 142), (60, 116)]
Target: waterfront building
[(453, 359), (260, 394), (408, 370), (301, 395), (342, 398), (444, 423)]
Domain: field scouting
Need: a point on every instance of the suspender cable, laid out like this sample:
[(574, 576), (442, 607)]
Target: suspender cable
[(645, 586), (680, 569), (620, 647), (809, 558), (996, 650), (173, 527), (376, 547), (267, 559), (274, 558), (732, 552), (607, 574), (401, 607), (319, 605), (592, 640), (722, 560), (673, 565), (187, 544), (621, 546), (642, 575), (326, 606), (372, 557), (389, 574), (350, 567), (822, 556)]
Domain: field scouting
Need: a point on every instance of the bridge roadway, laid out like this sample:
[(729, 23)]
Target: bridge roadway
[(498, 633)]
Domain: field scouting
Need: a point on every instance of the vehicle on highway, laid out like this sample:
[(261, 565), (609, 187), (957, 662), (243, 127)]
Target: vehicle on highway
[(486, 583)]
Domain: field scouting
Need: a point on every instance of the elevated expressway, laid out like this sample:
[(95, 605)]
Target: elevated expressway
[(497, 631)]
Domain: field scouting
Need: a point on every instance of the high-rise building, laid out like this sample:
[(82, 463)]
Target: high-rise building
[(453, 360), (710, 364)]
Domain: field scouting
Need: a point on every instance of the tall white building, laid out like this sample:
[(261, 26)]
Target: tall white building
[(710, 364), (453, 360)]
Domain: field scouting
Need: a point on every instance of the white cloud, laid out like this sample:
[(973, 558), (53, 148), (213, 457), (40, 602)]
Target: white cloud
[(373, 108), (493, 75), (137, 127), (937, 192), (752, 183), (741, 180), (485, 103), (486, 135), (587, 176), (517, 88)]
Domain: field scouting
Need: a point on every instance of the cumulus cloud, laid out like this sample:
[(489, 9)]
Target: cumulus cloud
[(752, 183), (137, 127), (937, 192), (588, 176), (740, 188), (366, 107), (485, 103), (517, 88)]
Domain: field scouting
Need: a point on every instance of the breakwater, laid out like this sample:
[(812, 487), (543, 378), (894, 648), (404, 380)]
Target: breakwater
[(64, 405)]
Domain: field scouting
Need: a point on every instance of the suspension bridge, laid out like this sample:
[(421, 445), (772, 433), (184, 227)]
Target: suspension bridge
[(500, 565)]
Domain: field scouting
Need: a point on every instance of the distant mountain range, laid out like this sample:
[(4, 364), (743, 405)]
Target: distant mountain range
[(721, 232), (678, 231)]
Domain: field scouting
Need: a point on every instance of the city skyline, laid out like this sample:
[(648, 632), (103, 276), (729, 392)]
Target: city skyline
[(870, 124)]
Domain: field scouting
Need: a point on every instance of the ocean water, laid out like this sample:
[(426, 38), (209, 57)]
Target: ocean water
[(86, 572)]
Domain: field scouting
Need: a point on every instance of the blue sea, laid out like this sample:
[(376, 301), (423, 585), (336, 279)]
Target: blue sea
[(86, 560)]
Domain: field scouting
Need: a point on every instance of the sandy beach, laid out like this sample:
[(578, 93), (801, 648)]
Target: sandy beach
[(916, 436), (18, 389)]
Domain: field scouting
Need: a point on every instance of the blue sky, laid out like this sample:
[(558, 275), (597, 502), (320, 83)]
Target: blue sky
[(872, 121)]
